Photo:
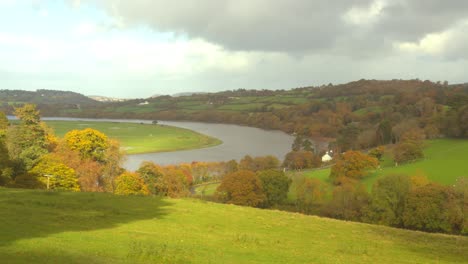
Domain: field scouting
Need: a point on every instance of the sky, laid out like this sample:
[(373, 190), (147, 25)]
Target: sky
[(139, 48)]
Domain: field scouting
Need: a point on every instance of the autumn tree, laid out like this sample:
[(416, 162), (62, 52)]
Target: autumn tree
[(174, 183), (275, 186), (377, 152), (242, 188), (130, 184), (298, 160), (90, 143), (410, 147), (352, 165), (61, 177)]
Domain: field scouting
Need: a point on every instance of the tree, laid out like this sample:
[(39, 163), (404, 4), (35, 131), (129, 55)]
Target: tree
[(388, 199), (4, 123), (377, 152), (275, 186), (297, 144), (433, 208), (298, 160), (410, 148), (113, 158), (61, 177), (349, 202), (90, 143), (174, 183), (241, 188), (384, 132), (152, 175), (130, 184), (310, 194), (27, 141), (352, 165), (307, 145)]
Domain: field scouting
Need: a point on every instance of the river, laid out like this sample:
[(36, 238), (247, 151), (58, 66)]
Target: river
[(238, 141)]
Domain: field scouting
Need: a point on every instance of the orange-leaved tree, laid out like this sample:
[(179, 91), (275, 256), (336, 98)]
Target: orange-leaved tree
[(352, 165), (241, 188)]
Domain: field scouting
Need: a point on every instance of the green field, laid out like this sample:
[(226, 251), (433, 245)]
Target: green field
[(445, 161), (141, 138), (62, 227)]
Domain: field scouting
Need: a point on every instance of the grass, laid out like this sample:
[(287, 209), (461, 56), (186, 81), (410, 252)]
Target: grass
[(141, 138), (445, 161), (61, 227)]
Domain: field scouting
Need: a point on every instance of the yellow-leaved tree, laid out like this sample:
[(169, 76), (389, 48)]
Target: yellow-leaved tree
[(129, 183), (61, 177)]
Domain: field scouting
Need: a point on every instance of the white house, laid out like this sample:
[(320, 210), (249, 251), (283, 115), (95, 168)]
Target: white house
[(144, 103), (326, 157)]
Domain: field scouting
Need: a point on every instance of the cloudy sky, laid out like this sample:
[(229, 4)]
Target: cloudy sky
[(137, 48)]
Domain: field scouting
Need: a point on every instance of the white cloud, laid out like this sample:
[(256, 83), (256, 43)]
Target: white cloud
[(364, 15)]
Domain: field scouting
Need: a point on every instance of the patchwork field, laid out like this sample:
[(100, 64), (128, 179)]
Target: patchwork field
[(141, 138), (61, 227)]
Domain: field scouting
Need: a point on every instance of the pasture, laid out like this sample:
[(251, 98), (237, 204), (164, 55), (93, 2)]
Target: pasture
[(445, 161), (64, 227), (141, 138)]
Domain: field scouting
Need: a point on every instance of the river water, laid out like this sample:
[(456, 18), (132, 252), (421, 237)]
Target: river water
[(238, 141)]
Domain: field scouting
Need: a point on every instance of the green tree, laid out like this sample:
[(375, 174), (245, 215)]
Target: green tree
[(242, 188), (388, 199), (130, 184), (27, 142), (4, 123), (275, 186), (433, 208), (349, 202), (297, 144), (310, 194), (384, 132), (152, 175), (307, 145)]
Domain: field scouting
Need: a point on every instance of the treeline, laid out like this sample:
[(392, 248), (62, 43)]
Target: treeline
[(403, 201)]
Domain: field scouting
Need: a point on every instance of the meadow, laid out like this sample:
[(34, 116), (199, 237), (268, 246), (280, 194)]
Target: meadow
[(64, 227), (141, 138), (445, 160)]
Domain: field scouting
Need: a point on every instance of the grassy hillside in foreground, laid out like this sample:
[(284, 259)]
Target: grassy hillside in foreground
[(141, 138), (60, 227)]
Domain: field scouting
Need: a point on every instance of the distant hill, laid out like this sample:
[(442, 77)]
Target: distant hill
[(188, 94), (44, 97)]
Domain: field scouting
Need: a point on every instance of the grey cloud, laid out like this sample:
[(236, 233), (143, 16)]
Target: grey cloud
[(297, 26), (412, 19), (280, 25)]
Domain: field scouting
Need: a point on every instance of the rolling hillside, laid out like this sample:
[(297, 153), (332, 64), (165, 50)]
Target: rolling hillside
[(58, 227)]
